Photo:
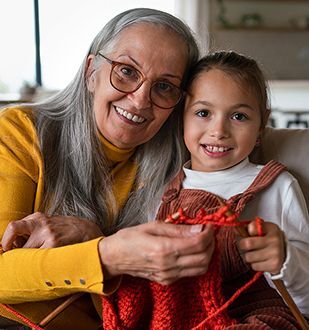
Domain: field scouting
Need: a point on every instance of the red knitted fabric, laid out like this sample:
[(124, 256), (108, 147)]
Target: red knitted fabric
[(141, 304)]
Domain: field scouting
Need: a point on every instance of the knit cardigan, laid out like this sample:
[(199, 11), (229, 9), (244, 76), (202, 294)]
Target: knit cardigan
[(186, 304)]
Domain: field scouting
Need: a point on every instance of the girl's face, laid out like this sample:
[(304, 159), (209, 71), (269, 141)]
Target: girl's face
[(130, 119), (221, 121)]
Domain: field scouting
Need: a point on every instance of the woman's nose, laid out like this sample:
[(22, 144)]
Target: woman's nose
[(141, 97)]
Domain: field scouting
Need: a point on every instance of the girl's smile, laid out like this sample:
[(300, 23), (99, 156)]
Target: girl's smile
[(215, 151), (222, 121)]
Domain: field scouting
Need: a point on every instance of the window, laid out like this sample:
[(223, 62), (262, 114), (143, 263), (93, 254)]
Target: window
[(66, 31), (17, 62)]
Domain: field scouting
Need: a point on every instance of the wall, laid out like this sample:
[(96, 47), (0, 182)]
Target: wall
[(280, 42)]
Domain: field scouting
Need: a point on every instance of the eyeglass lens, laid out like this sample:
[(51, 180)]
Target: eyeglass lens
[(127, 79)]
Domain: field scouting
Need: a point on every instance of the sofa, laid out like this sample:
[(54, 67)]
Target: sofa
[(291, 148)]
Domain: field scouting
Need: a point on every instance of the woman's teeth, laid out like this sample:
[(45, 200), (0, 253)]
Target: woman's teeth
[(129, 116)]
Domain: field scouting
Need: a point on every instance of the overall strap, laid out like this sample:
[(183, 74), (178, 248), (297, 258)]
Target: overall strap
[(264, 179)]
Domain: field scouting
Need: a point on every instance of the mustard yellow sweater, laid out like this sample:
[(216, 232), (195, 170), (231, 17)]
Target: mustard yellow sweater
[(39, 276)]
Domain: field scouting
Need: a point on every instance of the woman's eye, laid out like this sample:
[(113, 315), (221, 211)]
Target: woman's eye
[(165, 89), (202, 113), (163, 86), (239, 117), (127, 71)]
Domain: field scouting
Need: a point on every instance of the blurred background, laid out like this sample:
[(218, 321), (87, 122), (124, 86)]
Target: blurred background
[(44, 41)]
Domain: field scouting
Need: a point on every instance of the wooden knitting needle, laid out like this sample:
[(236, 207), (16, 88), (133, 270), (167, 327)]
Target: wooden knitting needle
[(278, 283), (60, 308), (174, 216)]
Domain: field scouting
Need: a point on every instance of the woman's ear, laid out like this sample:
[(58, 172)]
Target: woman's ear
[(90, 73)]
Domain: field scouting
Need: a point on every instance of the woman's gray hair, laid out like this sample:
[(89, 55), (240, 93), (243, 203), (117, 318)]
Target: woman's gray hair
[(77, 179)]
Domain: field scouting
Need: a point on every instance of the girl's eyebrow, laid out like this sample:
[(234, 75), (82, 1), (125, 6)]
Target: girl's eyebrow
[(242, 105), (233, 107), (201, 102)]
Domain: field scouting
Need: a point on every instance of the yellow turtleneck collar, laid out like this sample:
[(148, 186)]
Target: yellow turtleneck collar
[(115, 154)]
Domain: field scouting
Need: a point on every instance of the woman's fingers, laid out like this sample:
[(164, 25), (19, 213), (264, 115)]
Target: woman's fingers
[(171, 230), (21, 228), (165, 251), (184, 239), (169, 276), (41, 231)]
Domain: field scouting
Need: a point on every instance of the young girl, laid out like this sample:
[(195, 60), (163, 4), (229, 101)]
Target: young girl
[(225, 111)]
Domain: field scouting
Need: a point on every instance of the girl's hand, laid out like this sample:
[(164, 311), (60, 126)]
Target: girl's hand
[(158, 251), (38, 230), (264, 253)]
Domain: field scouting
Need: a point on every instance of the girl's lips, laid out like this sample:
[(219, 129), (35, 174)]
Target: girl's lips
[(215, 151)]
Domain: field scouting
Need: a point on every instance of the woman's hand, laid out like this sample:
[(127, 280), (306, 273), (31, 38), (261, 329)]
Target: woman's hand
[(38, 230), (158, 251), (264, 253)]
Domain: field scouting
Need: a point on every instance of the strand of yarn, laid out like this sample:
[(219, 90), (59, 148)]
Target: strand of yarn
[(223, 217), (17, 314), (211, 288), (22, 317)]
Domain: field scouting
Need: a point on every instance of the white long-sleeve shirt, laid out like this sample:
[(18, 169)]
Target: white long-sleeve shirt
[(281, 203)]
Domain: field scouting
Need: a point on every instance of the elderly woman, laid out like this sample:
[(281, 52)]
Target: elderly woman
[(90, 161)]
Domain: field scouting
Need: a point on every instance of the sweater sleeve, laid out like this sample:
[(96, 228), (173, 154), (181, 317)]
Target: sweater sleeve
[(42, 274), (20, 167), (295, 224), (35, 274)]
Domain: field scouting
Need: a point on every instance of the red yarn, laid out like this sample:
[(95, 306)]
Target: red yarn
[(126, 310), (22, 318)]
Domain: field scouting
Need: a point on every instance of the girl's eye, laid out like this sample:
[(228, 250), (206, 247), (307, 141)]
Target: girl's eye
[(239, 117), (202, 113)]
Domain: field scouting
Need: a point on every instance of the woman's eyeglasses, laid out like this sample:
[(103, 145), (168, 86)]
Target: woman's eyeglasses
[(127, 79)]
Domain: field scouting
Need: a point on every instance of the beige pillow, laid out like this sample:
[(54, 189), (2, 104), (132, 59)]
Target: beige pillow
[(290, 147)]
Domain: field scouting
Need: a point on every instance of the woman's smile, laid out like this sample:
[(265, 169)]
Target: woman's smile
[(129, 116), (129, 119)]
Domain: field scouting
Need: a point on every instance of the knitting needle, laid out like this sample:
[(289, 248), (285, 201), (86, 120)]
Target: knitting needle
[(174, 216), (60, 308), (278, 283)]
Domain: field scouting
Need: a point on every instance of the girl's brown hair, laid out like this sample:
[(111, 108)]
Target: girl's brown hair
[(243, 69)]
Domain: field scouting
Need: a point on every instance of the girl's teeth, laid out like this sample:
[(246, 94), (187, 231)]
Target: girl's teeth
[(216, 149)]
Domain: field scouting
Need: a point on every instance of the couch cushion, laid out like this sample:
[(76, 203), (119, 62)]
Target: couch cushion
[(290, 147)]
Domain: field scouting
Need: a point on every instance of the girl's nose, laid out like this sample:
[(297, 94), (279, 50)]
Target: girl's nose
[(219, 128)]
